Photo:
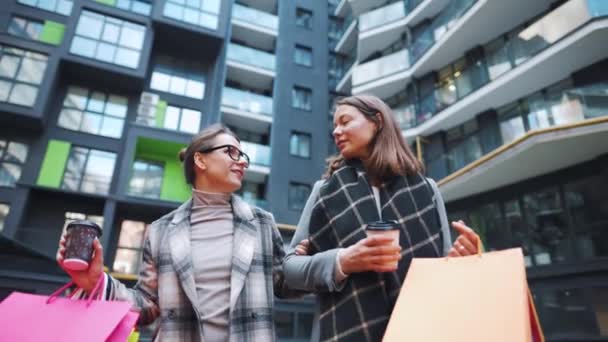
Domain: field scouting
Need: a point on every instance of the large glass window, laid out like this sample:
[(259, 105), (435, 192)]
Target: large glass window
[(146, 179), (25, 28), (58, 6), (202, 13), (72, 216), (12, 157), (93, 112), (303, 55), (130, 247), (4, 210), (587, 203), (299, 144), (21, 73), (142, 7), (178, 77), (297, 195), (511, 122), (304, 18), (547, 225), (88, 170), (108, 39), (497, 58), (301, 98), (487, 221), (182, 119)]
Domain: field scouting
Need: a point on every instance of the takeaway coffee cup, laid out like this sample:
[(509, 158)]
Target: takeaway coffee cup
[(384, 228), (79, 244)]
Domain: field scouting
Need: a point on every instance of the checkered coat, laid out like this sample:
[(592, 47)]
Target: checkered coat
[(361, 309), (166, 290)]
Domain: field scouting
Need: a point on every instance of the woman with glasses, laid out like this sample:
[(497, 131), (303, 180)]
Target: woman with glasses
[(210, 268)]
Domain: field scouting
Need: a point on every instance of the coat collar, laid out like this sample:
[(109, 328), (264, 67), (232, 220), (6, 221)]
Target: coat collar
[(244, 245)]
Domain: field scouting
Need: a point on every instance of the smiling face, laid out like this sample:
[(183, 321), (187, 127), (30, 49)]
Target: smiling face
[(353, 132), (216, 171)]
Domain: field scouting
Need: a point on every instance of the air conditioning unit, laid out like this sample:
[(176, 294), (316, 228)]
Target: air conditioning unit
[(150, 99), (147, 111)]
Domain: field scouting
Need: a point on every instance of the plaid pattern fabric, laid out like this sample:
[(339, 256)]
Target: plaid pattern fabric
[(166, 289), (346, 204)]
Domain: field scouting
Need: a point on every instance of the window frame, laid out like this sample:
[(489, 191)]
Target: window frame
[(302, 50), (299, 137), (16, 163), (306, 92), (146, 178)]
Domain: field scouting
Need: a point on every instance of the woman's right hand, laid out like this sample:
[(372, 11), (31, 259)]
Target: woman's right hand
[(88, 278), (374, 253)]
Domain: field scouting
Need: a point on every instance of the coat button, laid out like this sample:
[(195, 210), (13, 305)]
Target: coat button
[(171, 315)]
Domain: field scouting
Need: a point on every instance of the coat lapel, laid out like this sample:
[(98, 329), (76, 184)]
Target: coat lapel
[(181, 251), (244, 244)]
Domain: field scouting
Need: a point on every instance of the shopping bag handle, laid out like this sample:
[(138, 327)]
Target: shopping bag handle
[(95, 293)]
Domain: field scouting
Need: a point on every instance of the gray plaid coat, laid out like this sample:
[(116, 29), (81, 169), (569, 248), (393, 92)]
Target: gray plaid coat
[(166, 290)]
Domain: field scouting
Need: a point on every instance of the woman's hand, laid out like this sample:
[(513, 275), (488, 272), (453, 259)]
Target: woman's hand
[(302, 247), (466, 243), (374, 253), (88, 278)]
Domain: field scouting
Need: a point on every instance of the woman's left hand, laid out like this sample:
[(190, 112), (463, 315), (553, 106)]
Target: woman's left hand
[(466, 243), (302, 247)]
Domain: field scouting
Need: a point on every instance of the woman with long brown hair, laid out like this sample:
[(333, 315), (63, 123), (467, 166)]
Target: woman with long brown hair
[(375, 177), (210, 268)]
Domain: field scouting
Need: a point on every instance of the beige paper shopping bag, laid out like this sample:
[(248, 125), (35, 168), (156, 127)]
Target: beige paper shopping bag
[(479, 298)]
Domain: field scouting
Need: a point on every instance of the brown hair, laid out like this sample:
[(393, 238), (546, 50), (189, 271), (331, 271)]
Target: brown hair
[(201, 141), (390, 155)]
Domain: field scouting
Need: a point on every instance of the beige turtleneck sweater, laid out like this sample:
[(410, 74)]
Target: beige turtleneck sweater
[(212, 229)]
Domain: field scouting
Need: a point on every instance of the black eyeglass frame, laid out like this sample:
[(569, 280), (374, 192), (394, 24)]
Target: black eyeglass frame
[(230, 147)]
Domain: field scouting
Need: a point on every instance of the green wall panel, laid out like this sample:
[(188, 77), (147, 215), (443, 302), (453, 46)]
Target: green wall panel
[(161, 110), (52, 32), (55, 159), (107, 2), (174, 187)]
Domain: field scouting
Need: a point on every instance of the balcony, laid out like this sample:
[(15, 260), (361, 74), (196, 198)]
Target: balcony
[(458, 28), (381, 67), (380, 27), (246, 109), (567, 127), (260, 157), (347, 33), (543, 53), (250, 66), (255, 26)]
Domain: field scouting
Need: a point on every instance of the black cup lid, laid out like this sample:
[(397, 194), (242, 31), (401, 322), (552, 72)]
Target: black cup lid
[(85, 223), (382, 225)]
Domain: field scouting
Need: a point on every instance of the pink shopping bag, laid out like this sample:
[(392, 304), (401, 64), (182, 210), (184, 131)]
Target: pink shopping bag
[(27, 317)]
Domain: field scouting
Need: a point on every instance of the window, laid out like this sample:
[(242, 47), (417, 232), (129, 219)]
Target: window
[(88, 170), (130, 247), (182, 119), (25, 28), (202, 13), (299, 144), (4, 209), (303, 55), (301, 98), (136, 6), (58, 6), (108, 39), (297, 196), (178, 77), (12, 158), (304, 18), (146, 179), (21, 73), (93, 112)]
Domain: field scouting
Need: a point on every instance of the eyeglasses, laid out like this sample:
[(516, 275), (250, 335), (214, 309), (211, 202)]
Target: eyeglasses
[(233, 152)]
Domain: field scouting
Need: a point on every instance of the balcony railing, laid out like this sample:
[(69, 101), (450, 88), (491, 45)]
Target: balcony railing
[(382, 16), (247, 101), (381, 67), (258, 154), (252, 57), (255, 17)]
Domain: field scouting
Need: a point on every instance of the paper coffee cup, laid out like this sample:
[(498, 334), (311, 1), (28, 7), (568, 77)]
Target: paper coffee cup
[(385, 228), (79, 244)]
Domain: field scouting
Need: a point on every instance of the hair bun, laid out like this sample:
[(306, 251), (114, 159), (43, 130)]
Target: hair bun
[(182, 154)]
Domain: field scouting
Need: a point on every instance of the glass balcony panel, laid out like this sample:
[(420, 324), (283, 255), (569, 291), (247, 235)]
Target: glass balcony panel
[(250, 56), (254, 16), (258, 154), (381, 67), (247, 101), (382, 16)]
